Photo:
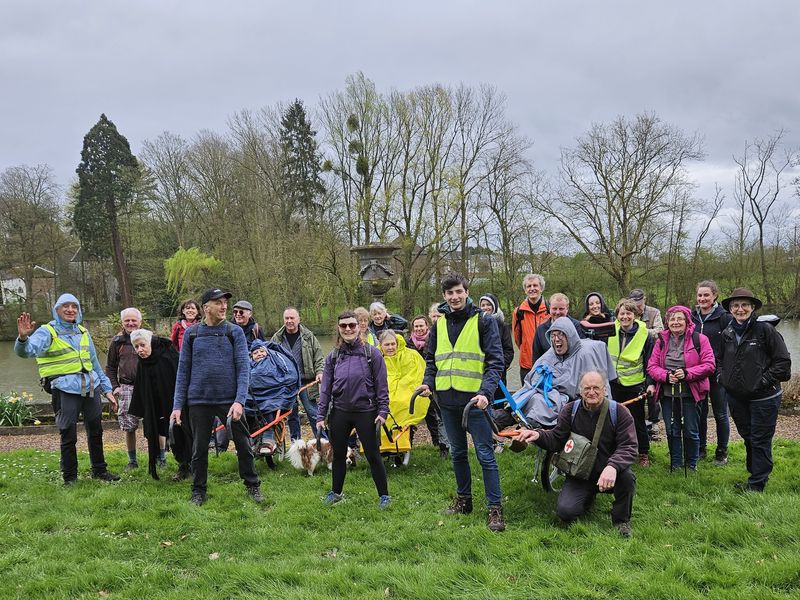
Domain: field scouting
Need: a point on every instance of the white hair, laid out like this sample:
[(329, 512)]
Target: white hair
[(531, 277), (141, 334), (377, 306), (133, 310)]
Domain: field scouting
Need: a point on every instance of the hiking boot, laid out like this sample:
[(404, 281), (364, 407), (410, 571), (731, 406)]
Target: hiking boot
[(105, 476), (384, 502), (644, 460), (744, 486), (494, 520), (255, 494), (131, 466), (198, 498), (624, 529), (518, 445), (332, 498), (183, 473), (721, 457), (703, 454), (68, 481), (461, 505), (444, 452)]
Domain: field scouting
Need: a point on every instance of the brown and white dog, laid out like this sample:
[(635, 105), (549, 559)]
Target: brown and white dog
[(304, 455)]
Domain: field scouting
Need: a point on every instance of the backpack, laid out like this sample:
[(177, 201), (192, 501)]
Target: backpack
[(192, 331), (612, 408)]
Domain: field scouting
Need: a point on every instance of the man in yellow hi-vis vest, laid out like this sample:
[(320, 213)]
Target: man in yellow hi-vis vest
[(68, 363), (464, 362)]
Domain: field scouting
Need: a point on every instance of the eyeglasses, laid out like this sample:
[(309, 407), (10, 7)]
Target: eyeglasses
[(559, 335), (741, 305), (239, 311), (347, 326)]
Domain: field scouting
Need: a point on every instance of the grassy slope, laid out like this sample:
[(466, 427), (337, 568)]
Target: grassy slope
[(142, 538)]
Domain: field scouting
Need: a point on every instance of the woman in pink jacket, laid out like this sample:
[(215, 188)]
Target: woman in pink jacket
[(681, 363)]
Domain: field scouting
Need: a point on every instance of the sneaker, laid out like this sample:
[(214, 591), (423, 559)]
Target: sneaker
[(183, 473), (721, 457), (255, 494), (198, 498), (384, 502), (498, 447), (332, 498), (70, 481), (494, 520), (518, 445), (461, 505), (624, 529), (105, 476), (644, 460), (131, 466), (162, 462)]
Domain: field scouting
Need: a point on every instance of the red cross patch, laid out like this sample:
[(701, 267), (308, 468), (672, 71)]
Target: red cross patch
[(569, 446)]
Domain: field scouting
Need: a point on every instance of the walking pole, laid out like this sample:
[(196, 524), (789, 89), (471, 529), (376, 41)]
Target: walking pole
[(671, 431), (683, 421)]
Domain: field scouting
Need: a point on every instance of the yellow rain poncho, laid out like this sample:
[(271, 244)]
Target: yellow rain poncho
[(404, 371)]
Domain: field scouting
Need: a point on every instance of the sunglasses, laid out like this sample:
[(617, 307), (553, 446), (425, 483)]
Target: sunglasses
[(238, 311), (347, 326)]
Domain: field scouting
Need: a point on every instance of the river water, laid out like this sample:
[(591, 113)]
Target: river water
[(20, 375)]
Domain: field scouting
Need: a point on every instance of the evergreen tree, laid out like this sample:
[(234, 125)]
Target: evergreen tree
[(107, 175), (301, 164)]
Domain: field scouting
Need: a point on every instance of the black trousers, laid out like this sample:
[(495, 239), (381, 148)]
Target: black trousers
[(577, 495), (201, 419), (340, 424), (621, 393), (71, 406)]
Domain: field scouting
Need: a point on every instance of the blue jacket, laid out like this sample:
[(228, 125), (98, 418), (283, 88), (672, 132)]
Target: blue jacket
[(274, 381), (40, 340)]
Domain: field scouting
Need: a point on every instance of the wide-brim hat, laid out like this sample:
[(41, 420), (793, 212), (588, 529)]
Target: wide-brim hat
[(741, 293)]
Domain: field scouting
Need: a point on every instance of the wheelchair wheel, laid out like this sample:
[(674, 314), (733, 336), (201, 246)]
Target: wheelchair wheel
[(552, 477)]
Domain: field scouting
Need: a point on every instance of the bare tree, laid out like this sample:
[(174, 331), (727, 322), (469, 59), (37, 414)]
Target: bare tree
[(618, 187), (29, 217), (760, 178)]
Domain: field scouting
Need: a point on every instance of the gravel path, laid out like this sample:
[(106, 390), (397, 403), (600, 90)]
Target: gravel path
[(113, 439)]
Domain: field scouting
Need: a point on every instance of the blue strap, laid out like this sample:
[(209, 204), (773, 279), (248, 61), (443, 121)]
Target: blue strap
[(544, 383), (612, 410)]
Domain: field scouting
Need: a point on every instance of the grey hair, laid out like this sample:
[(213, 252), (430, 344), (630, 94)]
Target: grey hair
[(131, 309), (532, 276), (376, 306), (603, 376), (141, 334), (386, 334)]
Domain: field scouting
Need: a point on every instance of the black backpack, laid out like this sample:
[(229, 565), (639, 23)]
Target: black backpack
[(695, 341)]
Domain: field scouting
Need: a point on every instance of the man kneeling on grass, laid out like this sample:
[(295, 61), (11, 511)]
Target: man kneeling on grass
[(613, 440)]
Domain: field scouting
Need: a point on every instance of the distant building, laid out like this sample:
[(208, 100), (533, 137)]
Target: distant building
[(12, 289)]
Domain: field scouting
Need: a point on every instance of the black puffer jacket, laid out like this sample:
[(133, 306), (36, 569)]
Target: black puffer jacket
[(755, 366)]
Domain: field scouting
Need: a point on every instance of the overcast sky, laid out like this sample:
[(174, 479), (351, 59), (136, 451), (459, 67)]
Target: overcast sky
[(727, 69)]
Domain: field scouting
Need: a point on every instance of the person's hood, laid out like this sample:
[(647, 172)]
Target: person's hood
[(567, 327), (469, 308), (497, 313), (716, 312), (63, 299), (258, 344), (689, 322), (603, 305)]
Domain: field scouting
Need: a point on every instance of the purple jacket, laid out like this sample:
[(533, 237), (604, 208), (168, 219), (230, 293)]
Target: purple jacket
[(698, 367), (354, 386)]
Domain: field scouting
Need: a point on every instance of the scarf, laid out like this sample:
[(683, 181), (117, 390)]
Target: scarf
[(419, 342)]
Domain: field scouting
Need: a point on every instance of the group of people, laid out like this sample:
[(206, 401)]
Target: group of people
[(603, 377)]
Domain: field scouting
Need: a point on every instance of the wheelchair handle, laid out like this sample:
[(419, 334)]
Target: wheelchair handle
[(465, 416)]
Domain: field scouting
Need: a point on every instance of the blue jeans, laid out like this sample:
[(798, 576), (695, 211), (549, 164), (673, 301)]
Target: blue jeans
[(756, 422), (294, 419), (719, 406), (685, 436), (481, 433)]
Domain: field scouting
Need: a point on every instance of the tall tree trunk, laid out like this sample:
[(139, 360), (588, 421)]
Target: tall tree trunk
[(119, 256)]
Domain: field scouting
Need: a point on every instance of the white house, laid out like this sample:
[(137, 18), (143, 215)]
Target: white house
[(12, 289)]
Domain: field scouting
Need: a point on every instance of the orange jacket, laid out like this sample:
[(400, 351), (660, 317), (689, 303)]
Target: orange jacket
[(524, 323)]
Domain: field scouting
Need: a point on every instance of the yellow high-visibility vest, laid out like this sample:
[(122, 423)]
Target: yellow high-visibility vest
[(459, 367), (62, 359), (630, 362)]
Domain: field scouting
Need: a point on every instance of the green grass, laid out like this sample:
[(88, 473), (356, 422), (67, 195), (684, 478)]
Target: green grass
[(693, 537)]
